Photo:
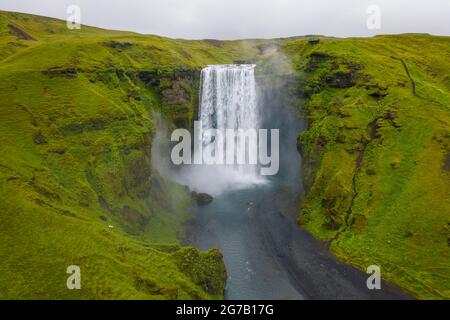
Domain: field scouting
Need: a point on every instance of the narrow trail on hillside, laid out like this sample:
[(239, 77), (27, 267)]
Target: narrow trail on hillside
[(408, 73)]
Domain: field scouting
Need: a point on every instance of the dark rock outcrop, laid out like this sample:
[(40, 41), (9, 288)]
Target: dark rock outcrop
[(39, 138), (202, 199), (150, 78), (341, 80), (68, 73), (118, 45), (19, 33), (176, 95)]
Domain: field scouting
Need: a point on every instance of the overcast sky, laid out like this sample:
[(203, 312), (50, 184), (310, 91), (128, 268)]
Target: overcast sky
[(233, 19)]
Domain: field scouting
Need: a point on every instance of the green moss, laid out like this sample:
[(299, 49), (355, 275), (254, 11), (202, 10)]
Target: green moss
[(373, 160), (205, 269), (76, 176)]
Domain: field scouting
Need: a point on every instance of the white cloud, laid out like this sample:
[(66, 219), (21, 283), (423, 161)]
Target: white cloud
[(231, 19)]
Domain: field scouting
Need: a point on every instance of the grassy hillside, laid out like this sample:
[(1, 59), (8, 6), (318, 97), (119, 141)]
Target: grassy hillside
[(376, 154), (78, 186), (77, 183)]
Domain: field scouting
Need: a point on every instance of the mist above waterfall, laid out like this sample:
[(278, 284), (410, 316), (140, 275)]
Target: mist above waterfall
[(228, 100), (233, 97)]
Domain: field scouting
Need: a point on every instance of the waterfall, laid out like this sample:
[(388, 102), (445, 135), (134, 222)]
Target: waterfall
[(228, 97), (228, 100)]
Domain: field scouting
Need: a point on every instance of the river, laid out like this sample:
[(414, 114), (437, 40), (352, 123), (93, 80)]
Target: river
[(253, 222)]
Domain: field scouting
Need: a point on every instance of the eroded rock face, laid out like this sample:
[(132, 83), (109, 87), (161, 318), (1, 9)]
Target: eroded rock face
[(341, 80), (175, 88), (178, 90), (177, 94), (150, 78), (19, 33)]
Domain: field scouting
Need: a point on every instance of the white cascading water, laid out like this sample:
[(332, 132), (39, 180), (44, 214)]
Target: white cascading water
[(228, 97), (228, 100)]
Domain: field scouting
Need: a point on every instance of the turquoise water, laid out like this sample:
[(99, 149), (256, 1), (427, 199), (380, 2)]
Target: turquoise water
[(230, 224)]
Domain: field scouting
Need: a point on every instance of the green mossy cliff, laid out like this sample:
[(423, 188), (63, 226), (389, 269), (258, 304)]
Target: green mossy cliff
[(77, 182), (376, 154)]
